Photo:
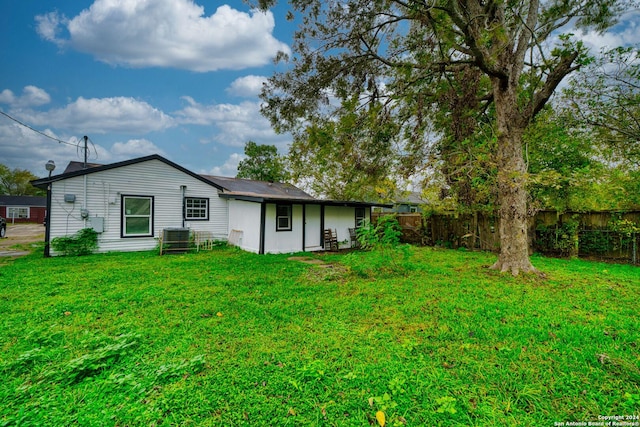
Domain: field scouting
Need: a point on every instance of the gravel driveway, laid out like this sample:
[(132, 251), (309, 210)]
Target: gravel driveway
[(20, 234)]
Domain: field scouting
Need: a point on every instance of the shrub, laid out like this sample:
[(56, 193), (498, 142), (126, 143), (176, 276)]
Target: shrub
[(385, 253), (84, 242)]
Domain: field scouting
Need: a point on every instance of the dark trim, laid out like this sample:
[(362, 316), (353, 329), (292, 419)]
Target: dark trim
[(263, 221), (304, 227), (47, 227), (364, 215), (298, 201), (42, 182), (290, 206), (122, 222), (322, 226), (184, 208)]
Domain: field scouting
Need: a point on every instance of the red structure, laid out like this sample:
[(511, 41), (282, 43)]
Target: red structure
[(17, 209)]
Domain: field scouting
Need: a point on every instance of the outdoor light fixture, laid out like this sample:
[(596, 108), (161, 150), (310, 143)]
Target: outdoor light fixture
[(50, 166)]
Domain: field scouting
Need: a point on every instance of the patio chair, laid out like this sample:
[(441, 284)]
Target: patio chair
[(330, 239)]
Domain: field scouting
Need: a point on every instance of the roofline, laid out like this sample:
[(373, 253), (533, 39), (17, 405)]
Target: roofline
[(44, 182), (266, 199)]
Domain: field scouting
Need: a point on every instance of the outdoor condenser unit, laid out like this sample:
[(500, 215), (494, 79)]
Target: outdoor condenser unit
[(175, 240)]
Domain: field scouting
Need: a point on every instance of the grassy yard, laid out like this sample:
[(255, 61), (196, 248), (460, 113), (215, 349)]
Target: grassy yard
[(231, 338)]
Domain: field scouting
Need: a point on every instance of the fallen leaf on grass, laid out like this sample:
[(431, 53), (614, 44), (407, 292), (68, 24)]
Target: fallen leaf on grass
[(381, 418)]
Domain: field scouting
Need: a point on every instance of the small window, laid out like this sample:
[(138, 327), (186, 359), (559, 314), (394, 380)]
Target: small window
[(283, 217), (17, 212), (137, 216), (360, 217), (196, 209)]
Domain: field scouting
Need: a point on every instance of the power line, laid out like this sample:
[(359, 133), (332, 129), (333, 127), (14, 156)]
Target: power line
[(36, 130)]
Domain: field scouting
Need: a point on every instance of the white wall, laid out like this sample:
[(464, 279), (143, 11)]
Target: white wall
[(341, 219), (245, 217), (277, 242), (103, 199)]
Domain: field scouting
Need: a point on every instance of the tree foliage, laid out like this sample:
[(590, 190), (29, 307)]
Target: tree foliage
[(263, 163), (604, 99), (396, 61), (16, 182)]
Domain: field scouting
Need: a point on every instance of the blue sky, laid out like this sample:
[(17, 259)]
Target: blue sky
[(138, 77), (174, 77)]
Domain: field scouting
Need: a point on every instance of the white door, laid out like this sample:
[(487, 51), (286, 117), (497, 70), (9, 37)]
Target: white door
[(312, 228)]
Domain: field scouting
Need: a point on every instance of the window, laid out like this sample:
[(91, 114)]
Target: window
[(17, 212), (360, 217), (283, 217), (137, 216), (196, 209)]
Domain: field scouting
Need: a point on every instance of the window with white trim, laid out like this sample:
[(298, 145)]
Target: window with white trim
[(283, 217), (137, 216), (196, 209), (18, 212)]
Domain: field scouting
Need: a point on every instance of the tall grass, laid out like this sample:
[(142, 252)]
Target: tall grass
[(231, 338)]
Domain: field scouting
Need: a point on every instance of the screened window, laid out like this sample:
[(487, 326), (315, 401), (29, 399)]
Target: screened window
[(360, 217), (18, 212), (283, 217), (196, 209), (137, 216)]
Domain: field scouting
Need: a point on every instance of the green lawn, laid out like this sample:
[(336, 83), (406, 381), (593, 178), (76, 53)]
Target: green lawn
[(226, 338)]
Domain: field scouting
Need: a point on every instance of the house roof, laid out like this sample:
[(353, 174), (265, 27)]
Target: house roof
[(44, 182), (74, 166), (259, 189), (236, 188), (413, 198), (38, 201)]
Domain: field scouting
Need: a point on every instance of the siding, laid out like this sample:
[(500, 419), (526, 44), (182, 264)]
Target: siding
[(245, 217), (341, 219), (278, 242), (103, 199)]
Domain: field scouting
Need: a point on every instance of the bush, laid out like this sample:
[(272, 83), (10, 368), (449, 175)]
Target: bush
[(84, 242), (385, 253)]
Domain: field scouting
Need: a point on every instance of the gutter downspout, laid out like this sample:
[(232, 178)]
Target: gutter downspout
[(183, 189)]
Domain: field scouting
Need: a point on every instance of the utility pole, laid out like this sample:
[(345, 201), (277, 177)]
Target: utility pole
[(86, 151)]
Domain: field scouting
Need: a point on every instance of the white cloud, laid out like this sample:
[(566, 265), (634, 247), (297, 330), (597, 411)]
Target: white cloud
[(236, 123), (167, 33), (229, 168), (22, 148), (247, 86), (104, 115), (32, 96), (135, 148), (49, 25)]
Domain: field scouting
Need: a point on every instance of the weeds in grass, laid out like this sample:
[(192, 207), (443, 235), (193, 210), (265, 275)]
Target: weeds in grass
[(230, 338)]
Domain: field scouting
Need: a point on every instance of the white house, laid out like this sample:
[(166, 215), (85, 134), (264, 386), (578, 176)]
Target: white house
[(131, 203)]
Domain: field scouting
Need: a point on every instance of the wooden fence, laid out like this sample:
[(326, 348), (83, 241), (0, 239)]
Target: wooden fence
[(589, 234)]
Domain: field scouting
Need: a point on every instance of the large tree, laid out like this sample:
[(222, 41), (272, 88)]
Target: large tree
[(395, 56), (16, 182), (262, 163)]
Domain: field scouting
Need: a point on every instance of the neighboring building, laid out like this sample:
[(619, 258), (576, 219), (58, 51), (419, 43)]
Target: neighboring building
[(23, 208), (130, 203), (411, 203)]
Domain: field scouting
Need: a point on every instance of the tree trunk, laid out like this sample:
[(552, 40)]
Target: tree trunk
[(512, 180)]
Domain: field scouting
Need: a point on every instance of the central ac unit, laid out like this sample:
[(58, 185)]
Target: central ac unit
[(175, 240)]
